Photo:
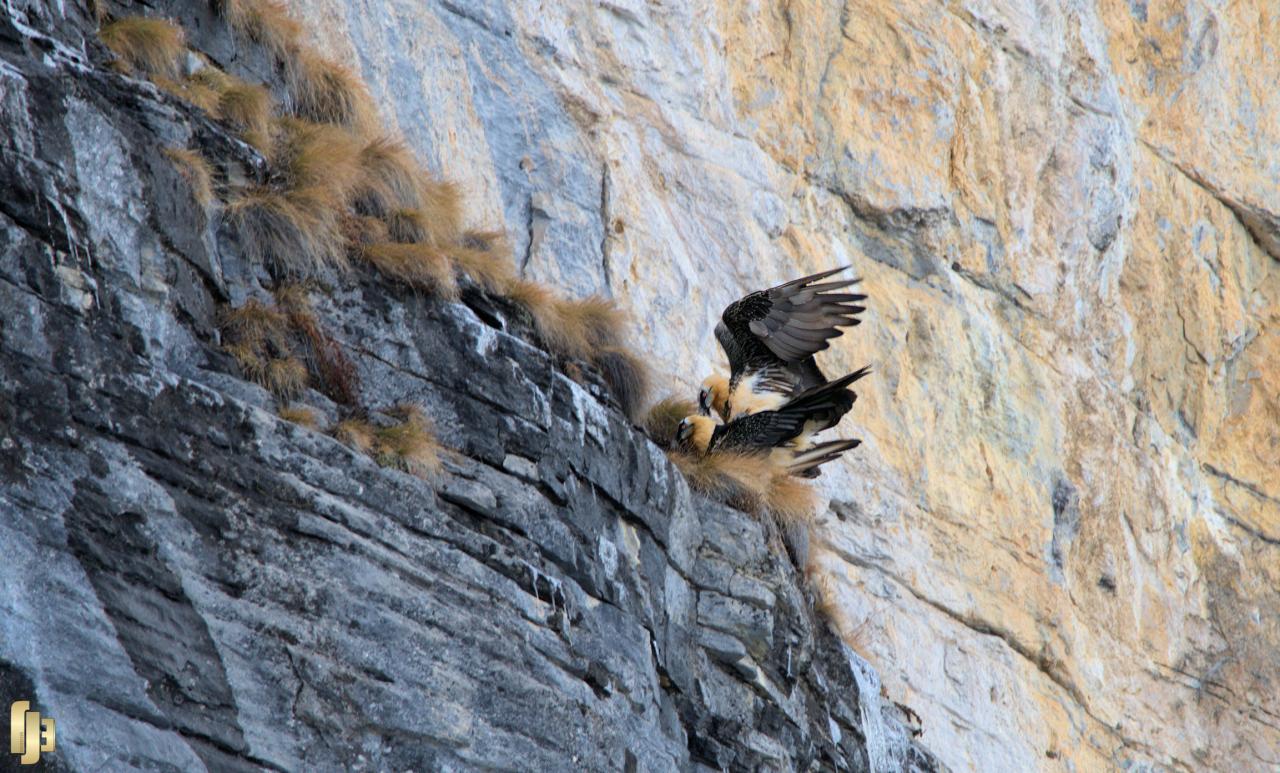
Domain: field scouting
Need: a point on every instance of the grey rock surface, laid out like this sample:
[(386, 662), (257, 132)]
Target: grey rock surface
[(189, 582)]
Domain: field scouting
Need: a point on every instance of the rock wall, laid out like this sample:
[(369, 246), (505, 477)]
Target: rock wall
[(1060, 539), (190, 582)]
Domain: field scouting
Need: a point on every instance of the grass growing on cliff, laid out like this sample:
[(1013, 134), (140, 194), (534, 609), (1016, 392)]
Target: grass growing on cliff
[(191, 89), (392, 178), (591, 329), (301, 415), (149, 46), (258, 337), (284, 348), (337, 186), (485, 258), (663, 419), (406, 443), (626, 375), (196, 171), (265, 22), (296, 223), (325, 91), (418, 265), (247, 108), (324, 355)]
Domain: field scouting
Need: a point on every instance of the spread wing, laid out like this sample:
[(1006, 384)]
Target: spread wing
[(791, 321)]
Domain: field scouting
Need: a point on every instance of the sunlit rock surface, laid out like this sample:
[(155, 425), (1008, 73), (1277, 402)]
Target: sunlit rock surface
[(1061, 540)]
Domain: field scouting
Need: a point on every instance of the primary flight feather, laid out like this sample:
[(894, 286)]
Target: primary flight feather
[(770, 337)]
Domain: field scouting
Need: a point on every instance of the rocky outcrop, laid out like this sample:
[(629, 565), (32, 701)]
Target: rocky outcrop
[(192, 582), (1059, 540)]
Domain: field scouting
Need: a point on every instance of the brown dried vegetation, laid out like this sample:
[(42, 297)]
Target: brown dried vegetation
[(418, 265), (325, 91), (301, 415), (258, 337), (297, 222), (265, 22), (149, 46), (247, 108), (664, 417), (324, 355), (196, 171), (406, 444), (337, 187)]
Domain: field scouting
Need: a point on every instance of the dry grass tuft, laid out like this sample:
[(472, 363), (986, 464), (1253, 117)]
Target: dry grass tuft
[(486, 260), (588, 329), (417, 265), (298, 230), (282, 346), (196, 171), (301, 415), (194, 90), (257, 324), (664, 417), (298, 223), (363, 230), (150, 46), (355, 433), (436, 219), (408, 445), (740, 480), (323, 354), (327, 92), (442, 209), (571, 328), (286, 377), (627, 377), (258, 337), (790, 500), (314, 155), (265, 22), (391, 178), (247, 108)]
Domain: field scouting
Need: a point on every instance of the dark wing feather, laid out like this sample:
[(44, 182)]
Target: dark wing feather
[(758, 431), (828, 403), (825, 403), (806, 464), (790, 322)]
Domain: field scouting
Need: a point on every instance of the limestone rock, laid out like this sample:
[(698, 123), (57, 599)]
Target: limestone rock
[(1060, 538)]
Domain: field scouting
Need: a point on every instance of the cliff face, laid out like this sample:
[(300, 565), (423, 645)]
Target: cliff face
[(1058, 543), (1060, 539), (190, 581)]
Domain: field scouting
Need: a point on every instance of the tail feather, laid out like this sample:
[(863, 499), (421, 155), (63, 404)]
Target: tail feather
[(826, 404), (806, 463)]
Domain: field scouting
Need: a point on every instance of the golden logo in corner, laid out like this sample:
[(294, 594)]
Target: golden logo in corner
[(29, 734)]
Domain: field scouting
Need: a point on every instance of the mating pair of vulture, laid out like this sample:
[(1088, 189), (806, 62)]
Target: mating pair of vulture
[(776, 398)]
